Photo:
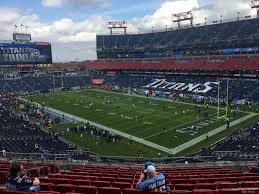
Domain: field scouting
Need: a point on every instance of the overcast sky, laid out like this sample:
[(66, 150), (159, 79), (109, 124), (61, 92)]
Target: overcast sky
[(71, 25)]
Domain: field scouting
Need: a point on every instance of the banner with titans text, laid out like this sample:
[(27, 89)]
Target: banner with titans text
[(28, 53)]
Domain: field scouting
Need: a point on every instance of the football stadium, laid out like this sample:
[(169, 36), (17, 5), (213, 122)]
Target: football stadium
[(171, 110)]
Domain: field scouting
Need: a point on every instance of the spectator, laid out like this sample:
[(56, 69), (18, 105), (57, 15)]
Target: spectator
[(36, 146), (155, 181), (3, 153), (18, 181), (228, 123), (257, 167)]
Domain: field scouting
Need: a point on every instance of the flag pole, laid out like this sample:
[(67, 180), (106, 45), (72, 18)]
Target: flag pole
[(22, 28)]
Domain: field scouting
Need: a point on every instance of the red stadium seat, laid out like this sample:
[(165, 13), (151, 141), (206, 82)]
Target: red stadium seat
[(44, 180), (59, 181), (230, 191), (179, 181), (214, 180), (196, 180), (85, 189), (132, 191), (81, 182), (249, 184), (211, 186), (250, 178), (205, 191), (73, 193), (233, 179), (109, 190), (64, 188), (112, 175), (109, 179), (124, 180), (189, 187), (3, 175), (101, 183), (96, 174), (180, 192), (35, 172), (46, 186), (228, 185), (250, 190), (121, 185), (48, 192), (56, 176), (130, 176), (13, 192), (92, 178), (2, 189)]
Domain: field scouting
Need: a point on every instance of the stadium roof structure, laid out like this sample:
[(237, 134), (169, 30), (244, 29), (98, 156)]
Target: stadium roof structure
[(255, 5)]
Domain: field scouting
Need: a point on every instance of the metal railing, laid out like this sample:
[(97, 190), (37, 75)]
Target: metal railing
[(82, 158)]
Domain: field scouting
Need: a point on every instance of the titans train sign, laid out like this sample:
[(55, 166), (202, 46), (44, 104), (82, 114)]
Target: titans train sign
[(25, 53)]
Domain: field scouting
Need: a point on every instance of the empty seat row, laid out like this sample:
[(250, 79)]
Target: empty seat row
[(64, 189)]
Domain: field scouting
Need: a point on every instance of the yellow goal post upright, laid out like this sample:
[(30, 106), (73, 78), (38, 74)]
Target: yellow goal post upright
[(226, 113)]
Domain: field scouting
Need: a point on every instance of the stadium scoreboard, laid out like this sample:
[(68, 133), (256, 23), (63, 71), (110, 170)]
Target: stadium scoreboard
[(25, 53), (21, 37)]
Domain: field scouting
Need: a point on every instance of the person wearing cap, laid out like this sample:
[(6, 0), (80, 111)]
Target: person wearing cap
[(154, 182), (148, 163), (18, 181)]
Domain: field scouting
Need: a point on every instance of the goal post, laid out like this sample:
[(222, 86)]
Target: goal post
[(226, 112)]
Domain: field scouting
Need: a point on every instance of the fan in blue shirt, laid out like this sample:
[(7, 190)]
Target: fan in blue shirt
[(155, 181)]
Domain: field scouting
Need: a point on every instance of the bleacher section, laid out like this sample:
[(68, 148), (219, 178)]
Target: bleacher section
[(237, 34), (19, 135), (239, 89), (243, 145), (201, 64), (42, 84), (122, 180)]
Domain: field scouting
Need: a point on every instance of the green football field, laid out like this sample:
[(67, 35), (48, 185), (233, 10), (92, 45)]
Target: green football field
[(161, 122)]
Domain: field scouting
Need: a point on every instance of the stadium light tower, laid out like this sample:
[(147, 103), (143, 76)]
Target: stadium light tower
[(184, 16), (117, 25), (21, 34), (238, 16), (255, 5)]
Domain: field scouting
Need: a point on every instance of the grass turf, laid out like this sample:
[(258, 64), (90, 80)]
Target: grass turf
[(104, 147), (153, 120)]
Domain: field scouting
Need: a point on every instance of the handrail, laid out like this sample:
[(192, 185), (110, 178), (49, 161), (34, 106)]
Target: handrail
[(84, 157)]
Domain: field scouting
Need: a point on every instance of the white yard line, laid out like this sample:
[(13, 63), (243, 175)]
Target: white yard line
[(210, 134)]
